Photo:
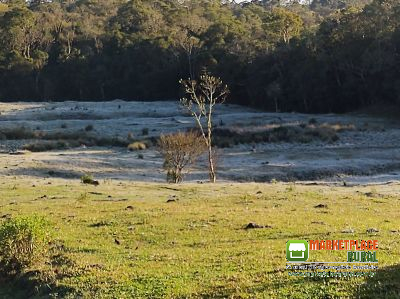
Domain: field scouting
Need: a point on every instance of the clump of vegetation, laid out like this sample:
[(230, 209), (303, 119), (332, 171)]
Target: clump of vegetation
[(64, 126), (23, 242), (312, 121), (46, 145), (64, 140), (18, 133), (58, 140), (137, 146), (89, 128), (130, 136), (301, 133), (180, 151), (145, 131), (89, 180)]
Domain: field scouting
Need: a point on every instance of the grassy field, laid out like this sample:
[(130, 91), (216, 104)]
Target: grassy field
[(195, 245)]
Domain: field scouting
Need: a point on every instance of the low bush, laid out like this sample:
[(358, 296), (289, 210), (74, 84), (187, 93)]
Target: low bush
[(89, 180), (325, 134), (18, 133), (89, 128), (180, 152), (46, 141), (44, 146), (312, 121), (24, 241), (301, 133), (137, 146), (145, 131), (113, 141)]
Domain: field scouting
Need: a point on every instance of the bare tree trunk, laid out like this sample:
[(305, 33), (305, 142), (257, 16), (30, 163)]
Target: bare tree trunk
[(211, 167), (213, 175), (177, 175)]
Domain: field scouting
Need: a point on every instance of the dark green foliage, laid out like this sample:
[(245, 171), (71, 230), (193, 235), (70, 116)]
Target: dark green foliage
[(327, 56)]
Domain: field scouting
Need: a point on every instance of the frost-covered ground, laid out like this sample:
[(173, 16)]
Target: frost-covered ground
[(368, 154)]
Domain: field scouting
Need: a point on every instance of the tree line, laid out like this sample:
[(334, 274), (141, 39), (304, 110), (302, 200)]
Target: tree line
[(315, 56)]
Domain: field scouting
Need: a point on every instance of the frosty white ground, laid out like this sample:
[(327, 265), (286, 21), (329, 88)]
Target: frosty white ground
[(371, 155)]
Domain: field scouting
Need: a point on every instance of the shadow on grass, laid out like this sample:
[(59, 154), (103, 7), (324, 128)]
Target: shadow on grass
[(42, 282), (29, 285), (385, 284), (43, 172)]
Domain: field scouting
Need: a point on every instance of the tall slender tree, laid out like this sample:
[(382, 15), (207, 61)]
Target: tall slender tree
[(202, 97)]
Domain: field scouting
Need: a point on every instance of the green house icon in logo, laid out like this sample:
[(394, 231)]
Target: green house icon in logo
[(297, 250)]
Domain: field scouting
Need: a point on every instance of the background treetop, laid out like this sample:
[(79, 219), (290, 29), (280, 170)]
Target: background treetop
[(316, 56)]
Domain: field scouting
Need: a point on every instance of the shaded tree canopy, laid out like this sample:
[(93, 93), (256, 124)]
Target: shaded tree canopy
[(313, 56)]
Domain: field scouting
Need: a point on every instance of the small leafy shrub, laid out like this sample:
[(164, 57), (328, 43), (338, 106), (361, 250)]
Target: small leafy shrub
[(312, 121), (137, 146), (324, 134), (44, 146), (89, 128), (145, 131), (113, 141), (88, 179), (23, 242)]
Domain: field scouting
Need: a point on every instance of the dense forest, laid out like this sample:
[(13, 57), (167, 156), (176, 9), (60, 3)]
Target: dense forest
[(317, 56)]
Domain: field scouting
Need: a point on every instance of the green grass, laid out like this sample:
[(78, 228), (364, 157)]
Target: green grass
[(196, 247)]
